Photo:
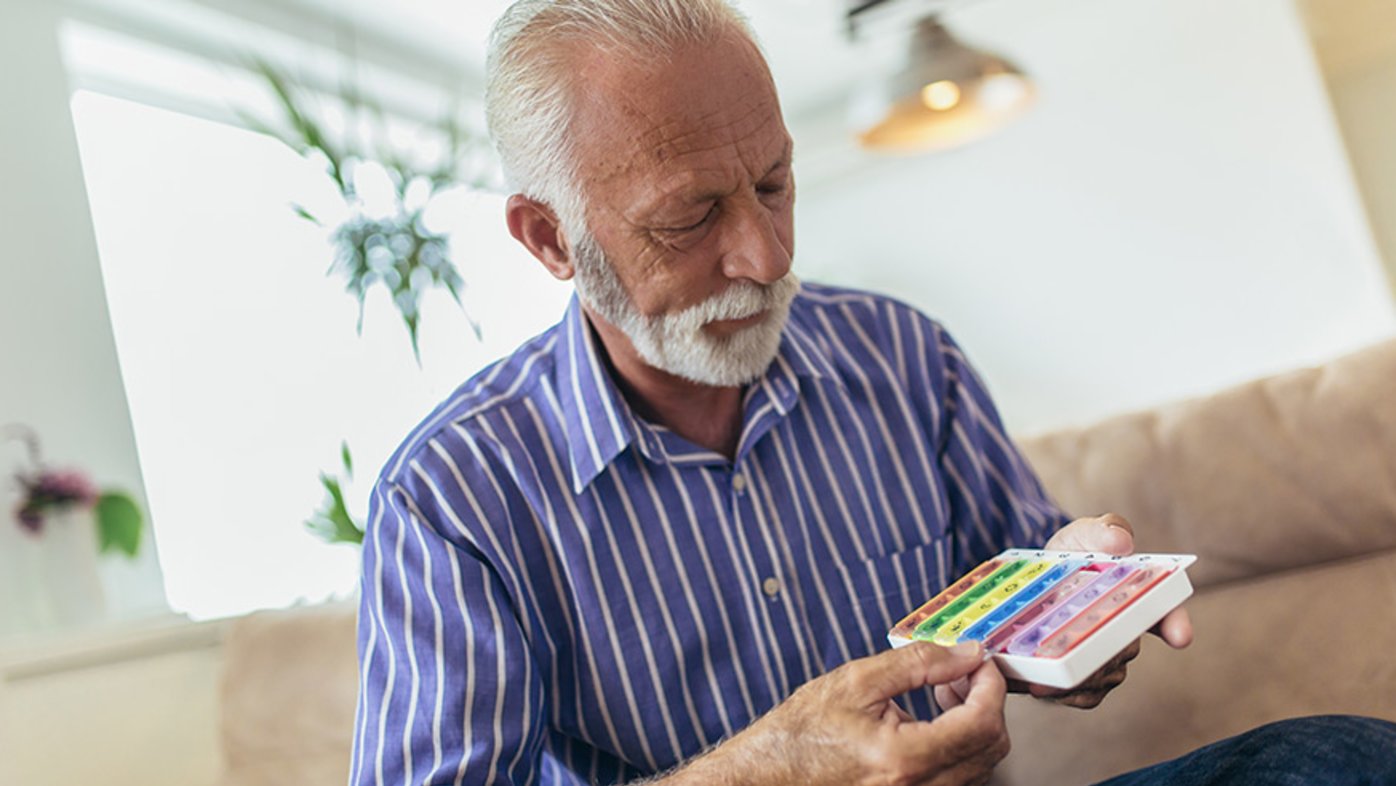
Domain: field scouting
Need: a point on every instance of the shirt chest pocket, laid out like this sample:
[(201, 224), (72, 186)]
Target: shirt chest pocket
[(881, 590)]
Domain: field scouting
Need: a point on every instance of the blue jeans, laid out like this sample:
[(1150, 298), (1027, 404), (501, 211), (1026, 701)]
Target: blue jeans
[(1317, 751)]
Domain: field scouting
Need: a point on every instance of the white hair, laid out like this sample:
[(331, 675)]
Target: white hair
[(676, 342), (529, 69)]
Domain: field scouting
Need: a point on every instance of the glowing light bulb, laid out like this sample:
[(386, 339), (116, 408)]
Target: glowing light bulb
[(1002, 92), (941, 95)]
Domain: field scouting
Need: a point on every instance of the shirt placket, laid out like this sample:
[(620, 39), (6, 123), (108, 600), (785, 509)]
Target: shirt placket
[(772, 576)]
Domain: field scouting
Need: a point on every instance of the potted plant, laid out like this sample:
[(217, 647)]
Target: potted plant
[(67, 522)]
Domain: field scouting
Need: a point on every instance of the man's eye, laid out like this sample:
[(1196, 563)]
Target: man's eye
[(706, 216), (773, 189)]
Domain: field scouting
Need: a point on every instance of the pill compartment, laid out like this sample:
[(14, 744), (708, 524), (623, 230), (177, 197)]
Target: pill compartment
[(1052, 617)]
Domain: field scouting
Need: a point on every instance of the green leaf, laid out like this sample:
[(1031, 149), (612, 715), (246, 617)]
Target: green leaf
[(119, 523), (258, 125), (334, 529), (331, 485), (411, 322), (301, 126), (347, 459), (332, 522), (305, 214), (309, 131)]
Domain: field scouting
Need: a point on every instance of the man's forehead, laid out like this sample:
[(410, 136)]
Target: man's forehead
[(751, 120), (674, 113)]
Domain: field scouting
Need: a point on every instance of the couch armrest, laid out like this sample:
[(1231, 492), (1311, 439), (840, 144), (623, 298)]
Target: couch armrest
[(289, 688)]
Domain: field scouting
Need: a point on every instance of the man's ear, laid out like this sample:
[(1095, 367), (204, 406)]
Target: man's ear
[(534, 224)]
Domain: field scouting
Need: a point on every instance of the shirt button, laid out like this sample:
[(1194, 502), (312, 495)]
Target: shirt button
[(739, 483), (771, 587)]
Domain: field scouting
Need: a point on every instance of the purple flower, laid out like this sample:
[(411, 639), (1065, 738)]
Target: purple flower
[(30, 519), (63, 487), (52, 490)]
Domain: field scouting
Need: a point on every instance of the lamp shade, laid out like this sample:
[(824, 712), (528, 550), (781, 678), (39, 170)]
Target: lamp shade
[(948, 94)]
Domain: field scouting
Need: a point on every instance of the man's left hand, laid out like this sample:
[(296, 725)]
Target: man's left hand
[(1108, 534)]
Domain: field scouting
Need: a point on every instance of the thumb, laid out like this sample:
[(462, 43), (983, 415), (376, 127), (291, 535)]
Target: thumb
[(916, 665), (1109, 533)]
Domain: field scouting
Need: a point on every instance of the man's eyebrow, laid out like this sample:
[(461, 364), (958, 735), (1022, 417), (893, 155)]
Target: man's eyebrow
[(786, 158), (694, 197)]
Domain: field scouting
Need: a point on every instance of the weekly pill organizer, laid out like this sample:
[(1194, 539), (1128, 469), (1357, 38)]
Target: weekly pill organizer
[(1052, 617)]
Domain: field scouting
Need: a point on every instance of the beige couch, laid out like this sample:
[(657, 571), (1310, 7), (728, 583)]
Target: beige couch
[(1286, 489)]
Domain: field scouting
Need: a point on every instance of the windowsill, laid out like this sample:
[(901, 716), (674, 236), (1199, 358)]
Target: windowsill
[(44, 653), (54, 652)]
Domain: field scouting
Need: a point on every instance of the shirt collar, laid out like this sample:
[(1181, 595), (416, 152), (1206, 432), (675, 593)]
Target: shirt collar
[(804, 355), (600, 424)]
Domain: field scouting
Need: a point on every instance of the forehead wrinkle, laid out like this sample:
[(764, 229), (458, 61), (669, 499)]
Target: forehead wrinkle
[(672, 155), (669, 137)]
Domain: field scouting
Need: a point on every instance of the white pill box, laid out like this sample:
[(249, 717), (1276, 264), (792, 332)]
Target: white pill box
[(1052, 617)]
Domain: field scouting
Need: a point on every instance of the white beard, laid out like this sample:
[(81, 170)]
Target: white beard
[(676, 343)]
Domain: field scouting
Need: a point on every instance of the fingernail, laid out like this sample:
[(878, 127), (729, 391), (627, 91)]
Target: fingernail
[(965, 649)]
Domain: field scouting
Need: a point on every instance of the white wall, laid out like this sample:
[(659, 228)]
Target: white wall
[(1365, 103), (1176, 215), (57, 357)]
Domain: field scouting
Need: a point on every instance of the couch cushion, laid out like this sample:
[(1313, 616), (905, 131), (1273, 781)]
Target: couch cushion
[(1306, 642), (1287, 471), (289, 688)]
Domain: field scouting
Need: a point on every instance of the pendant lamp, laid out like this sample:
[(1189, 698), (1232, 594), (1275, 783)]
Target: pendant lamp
[(946, 95)]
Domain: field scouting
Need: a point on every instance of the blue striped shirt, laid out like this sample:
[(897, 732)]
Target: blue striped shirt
[(557, 591)]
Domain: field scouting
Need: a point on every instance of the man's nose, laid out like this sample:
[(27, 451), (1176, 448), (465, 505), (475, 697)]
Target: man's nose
[(752, 248)]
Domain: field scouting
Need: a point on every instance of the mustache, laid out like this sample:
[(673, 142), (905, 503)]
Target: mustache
[(740, 300)]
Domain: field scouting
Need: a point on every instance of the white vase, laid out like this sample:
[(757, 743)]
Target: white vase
[(55, 582)]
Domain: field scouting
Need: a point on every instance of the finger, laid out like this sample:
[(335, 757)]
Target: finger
[(1104, 680), (1122, 657), (946, 698), (965, 731), (893, 713), (1175, 629), (976, 769), (921, 663), (1089, 696), (1109, 534), (1116, 520), (952, 694), (1086, 700), (987, 689), (983, 697)]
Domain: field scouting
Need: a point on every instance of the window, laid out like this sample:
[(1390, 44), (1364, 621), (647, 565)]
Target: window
[(240, 357)]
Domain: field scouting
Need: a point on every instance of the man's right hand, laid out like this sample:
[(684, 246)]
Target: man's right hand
[(845, 728)]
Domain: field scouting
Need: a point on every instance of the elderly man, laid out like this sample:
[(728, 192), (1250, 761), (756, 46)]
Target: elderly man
[(667, 537)]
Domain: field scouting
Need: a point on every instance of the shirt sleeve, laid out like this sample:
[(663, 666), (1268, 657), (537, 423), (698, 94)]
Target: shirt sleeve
[(996, 500), (449, 692)]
